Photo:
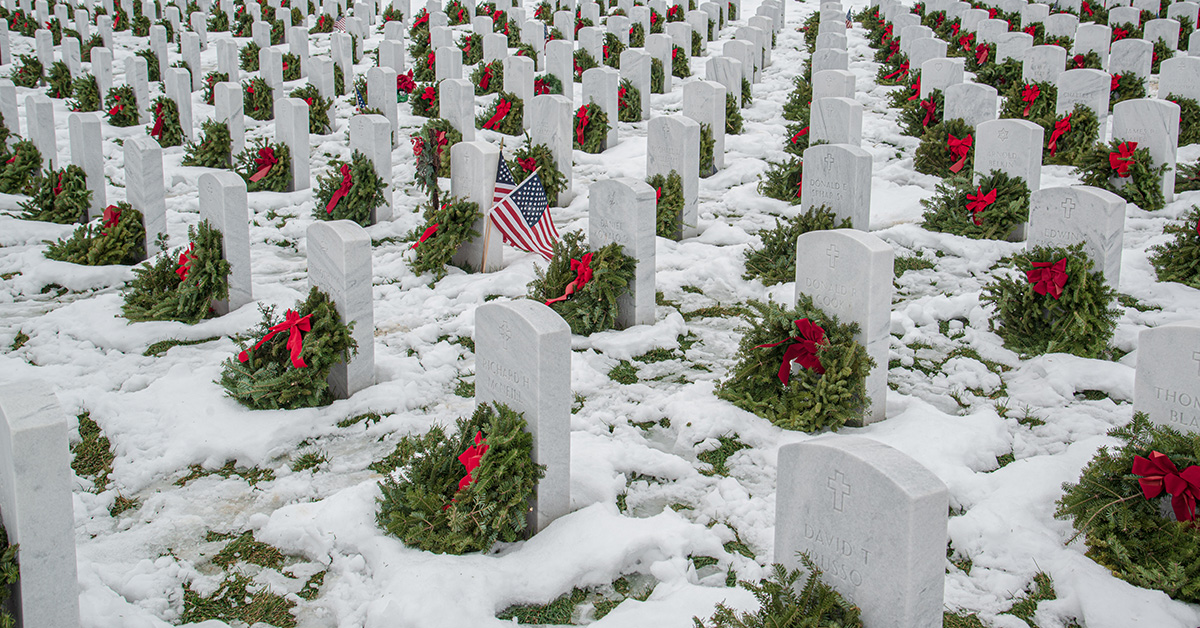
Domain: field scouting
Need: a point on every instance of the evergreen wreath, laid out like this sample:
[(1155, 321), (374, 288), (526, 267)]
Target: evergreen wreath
[(811, 31), (265, 166), (816, 604), (435, 500), (457, 13), (392, 14), (419, 31), (946, 149), (85, 52), (123, 106), (56, 31), (28, 73), (291, 67), (1126, 87), (281, 373), (1125, 30), (27, 26), (318, 109), (1002, 76), (324, 24), (426, 102), (612, 50), (359, 190), (783, 180), (447, 227), (59, 81), (210, 82), (894, 72), (86, 94), (657, 76), (828, 391), (668, 204), (258, 100), (425, 67), (1189, 119), (504, 115), (471, 46), (547, 84), (1029, 101), (488, 78), (1062, 41), (1123, 530), (428, 150), (1104, 165), (990, 209), (277, 34), (796, 108), (59, 196), (733, 116), (583, 286), (9, 574), (637, 35), (584, 61), (20, 173), (243, 23), (680, 66), (218, 22), (140, 26), (152, 69), (339, 81), (180, 285), (697, 44), (901, 98), (529, 158), (1179, 260), (629, 102), (733, 12), (248, 57), (214, 150), (1069, 136), (917, 116), (591, 128), (708, 144), (1187, 177), (4, 135), (1051, 301), (1161, 53), (450, 137), (775, 261), (118, 238), (165, 128), (1089, 59)]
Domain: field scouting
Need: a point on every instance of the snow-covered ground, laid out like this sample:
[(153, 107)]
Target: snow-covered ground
[(164, 413)]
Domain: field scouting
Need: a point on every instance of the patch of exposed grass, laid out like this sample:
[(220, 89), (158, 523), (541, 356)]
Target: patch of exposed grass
[(1029, 419), (244, 549), (1024, 606), (122, 504), (252, 475), (905, 263), (309, 460), (162, 346), (19, 341), (656, 355), (464, 389), (717, 457), (716, 311), (624, 373), (312, 588), (93, 454), (1003, 460), (1092, 395), (562, 610), (371, 418), (236, 600), (1130, 302), (960, 620)]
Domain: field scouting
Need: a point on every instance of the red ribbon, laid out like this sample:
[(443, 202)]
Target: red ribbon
[(294, 324), (903, 71), (1060, 128), (621, 97), (1087, 8), (992, 13), (916, 87), (112, 215), (405, 82), (540, 87), (116, 108), (583, 274), (930, 108), (1122, 159), (967, 41), (429, 94), (981, 54), (1078, 61), (528, 163), (799, 188), (429, 231), (1116, 82), (264, 162), (959, 148), (1119, 33), (58, 186), (337, 196), (802, 350), (1031, 30), (1048, 277), (799, 134), (421, 20), (583, 119), (1029, 95), (1159, 474), (979, 202), (470, 459), (487, 77), (502, 109), (431, 60), (158, 124), (418, 145), (185, 261)]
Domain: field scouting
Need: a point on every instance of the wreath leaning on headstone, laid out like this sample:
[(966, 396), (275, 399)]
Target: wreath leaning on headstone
[(214, 148), (1126, 170), (680, 64), (783, 180), (591, 128), (464, 492), (119, 237), (351, 191), (917, 116), (504, 116), (946, 149), (291, 67), (318, 109), (547, 84), (583, 61), (529, 158), (58, 80), (445, 229), (989, 209), (122, 106), (288, 367), (1125, 87), (1069, 136), (426, 101), (733, 116), (258, 100), (708, 145), (448, 138), (20, 172), (1051, 301), (775, 261), (1187, 177), (800, 369), (265, 166), (1189, 119), (1029, 101), (9, 574), (668, 192), (629, 102), (164, 125), (1179, 259), (488, 78), (59, 196), (180, 285), (583, 286), (1130, 525), (85, 94), (28, 73)]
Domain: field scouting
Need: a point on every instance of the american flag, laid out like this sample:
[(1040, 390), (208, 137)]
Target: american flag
[(849, 23), (362, 104), (522, 214), (340, 23)]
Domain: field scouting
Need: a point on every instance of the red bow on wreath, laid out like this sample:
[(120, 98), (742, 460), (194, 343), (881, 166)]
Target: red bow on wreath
[(1031, 30), (58, 186), (1122, 159), (992, 13), (264, 162), (1029, 95), (528, 163), (112, 214), (502, 109), (540, 87), (431, 60), (799, 188), (1159, 475), (893, 48), (979, 202), (1087, 8), (981, 54), (421, 20), (337, 196), (429, 231), (294, 324), (584, 118), (583, 274), (405, 82), (1078, 61), (116, 108), (1119, 33), (429, 94), (959, 148), (930, 108), (916, 87), (954, 28), (799, 134), (803, 350), (185, 261), (1115, 83), (157, 131), (967, 42), (902, 71), (1060, 128), (486, 79), (418, 144), (470, 459), (1048, 277)]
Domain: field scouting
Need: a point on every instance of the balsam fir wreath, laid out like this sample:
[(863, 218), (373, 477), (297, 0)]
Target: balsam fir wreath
[(447, 226), (140, 26), (1069, 136), (20, 172), (180, 285), (471, 46), (637, 35), (444, 135), (351, 191), (529, 158), (1179, 260), (1120, 505), (59, 196), (946, 149), (461, 493), (457, 13), (733, 116), (1187, 177), (680, 66), (904, 98), (1000, 75), (291, 67), (775, 261), (584, 61), (28, 73), (165, 128), (118, 238), (1125, 87), (668, 204), (1105, 165), (783, 180), (324, 24), (1125, 30), (318, 109), (123, 106), (797, 139), (917, 116), (214, 150), (1161, 52), (27, 26), (629, 102), (504, 116), (4, 135), (894, 72), (339, 81), (258, 100), (810, 31), (288, 367), (789, 598), (547, 84), (830, 387), (982, 58), (85, 94), (85, 51), (152, 70), (277, 27), (698, 44), (1090, 60), (218, 22), (265, 166), (59, 81), (591, 128), (390, 14), (1029, 101), (708, 145), (583, 286), (488, 78), (425, 67), (989, 209), (1189, 119), (248, 57), (1052, 302), (426, 103), (612, 50), (657, 76)]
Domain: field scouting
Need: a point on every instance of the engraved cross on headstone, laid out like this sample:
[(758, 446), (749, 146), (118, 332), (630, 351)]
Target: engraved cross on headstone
[(505, 333), (837, 484), (1068, 204), (832, 252), (829, 161)]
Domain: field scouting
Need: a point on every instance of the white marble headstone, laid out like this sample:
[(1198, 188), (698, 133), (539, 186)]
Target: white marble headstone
[(838, 176), (1167, 384), (1153, 124), (223, 205), (473, 168), (623, 211), (339, 264), (1063, 216), (86, 152), (673, 144)]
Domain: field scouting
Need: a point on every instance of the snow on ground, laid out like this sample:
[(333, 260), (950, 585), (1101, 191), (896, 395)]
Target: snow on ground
[(165, 413)]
